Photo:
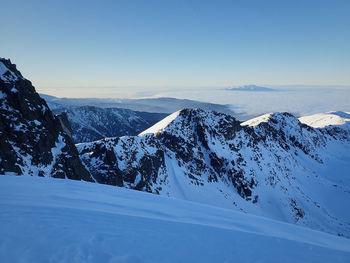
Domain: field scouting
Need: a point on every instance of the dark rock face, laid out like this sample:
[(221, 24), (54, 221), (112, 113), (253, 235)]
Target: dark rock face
[(32, 140), (63, 119), (131, 169)]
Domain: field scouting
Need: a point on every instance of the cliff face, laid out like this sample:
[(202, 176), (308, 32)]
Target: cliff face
[(32, 140)]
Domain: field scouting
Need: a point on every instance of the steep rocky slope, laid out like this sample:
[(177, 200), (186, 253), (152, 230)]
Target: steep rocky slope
[(273, 165), (32, 140), (91, 123)]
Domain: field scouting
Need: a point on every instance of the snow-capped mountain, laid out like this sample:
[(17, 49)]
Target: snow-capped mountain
[(91, 123), (32, 140), (273, 165), (277, 166)]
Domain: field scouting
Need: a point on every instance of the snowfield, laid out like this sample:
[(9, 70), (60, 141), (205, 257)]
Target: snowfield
[(53, 220)]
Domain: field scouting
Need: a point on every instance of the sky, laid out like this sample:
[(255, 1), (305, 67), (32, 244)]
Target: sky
[(147, 45)]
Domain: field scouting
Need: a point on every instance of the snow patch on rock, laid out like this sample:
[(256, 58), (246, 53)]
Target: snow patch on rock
[(256, 121), (161, 125), (6, 75)]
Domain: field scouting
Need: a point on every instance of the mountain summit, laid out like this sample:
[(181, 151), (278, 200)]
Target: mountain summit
[(32, 140)]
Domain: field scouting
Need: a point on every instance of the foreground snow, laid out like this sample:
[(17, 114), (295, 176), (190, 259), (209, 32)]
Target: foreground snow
[(52, 220)]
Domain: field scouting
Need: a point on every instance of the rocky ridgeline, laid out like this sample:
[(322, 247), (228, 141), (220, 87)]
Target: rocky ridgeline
[(264, 166), (32, 140), (203, 143)]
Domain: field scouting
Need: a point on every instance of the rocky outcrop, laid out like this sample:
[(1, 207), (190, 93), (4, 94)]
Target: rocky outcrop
[(32, 140)]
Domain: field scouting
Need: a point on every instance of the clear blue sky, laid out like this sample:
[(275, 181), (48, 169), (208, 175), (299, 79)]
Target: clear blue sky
[(177, 43)]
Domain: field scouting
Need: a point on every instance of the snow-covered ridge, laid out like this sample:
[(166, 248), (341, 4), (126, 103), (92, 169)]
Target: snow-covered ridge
[(161, 125), (256, 121), (332, 122), (322, 120)]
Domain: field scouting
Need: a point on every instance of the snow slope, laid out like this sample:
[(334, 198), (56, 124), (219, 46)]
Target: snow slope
[(161, 125), (52, 220), (257, 120)]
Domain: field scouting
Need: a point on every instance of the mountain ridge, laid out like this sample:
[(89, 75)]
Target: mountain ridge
[(198, 153), (252, 88), (90, 123)]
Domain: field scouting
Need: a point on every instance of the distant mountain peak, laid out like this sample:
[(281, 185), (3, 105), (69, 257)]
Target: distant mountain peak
[(250, 88)]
